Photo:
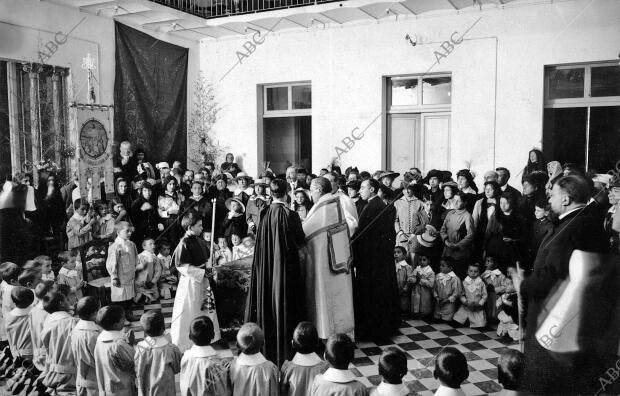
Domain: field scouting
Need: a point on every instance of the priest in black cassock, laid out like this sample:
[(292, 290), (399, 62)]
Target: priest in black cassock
[(375, 291), (276, 297)]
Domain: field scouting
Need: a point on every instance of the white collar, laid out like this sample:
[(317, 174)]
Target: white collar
[(563, 215), (57, 316), (201, 351), (111, 335), (496, 271), (251, 360), (78, 217), (154, 342), (20, 311), (338, 376), (67, 272), (445, 391), (401, 264), (449, 275), (425, 270), (86, 325), (469, 280), (390, 389), (306, 359)]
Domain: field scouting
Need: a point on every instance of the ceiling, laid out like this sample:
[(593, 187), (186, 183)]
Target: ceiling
[(161, 19)]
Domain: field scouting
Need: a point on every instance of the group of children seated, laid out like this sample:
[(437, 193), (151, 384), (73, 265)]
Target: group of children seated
[(481, 299), (241, 247)]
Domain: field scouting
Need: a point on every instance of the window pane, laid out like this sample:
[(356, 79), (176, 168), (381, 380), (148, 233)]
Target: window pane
[(604, 145), (277, 98), (302, 97), (565, 83), (436, 90), (564, 134), (606, 81), (404, 91), (287, 142)]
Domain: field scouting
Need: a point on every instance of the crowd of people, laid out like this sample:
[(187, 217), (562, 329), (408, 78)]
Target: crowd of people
[(431, 246)]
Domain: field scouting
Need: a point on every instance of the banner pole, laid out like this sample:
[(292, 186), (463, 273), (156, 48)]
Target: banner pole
[(212, 231)]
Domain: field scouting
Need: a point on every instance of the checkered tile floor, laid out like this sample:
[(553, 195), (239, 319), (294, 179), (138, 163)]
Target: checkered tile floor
[(421, 341)]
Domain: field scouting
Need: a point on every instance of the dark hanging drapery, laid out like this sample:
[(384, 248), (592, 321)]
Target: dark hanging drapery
[(150, 95)]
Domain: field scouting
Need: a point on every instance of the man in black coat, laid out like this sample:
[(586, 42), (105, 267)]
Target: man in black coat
[(548, 372), (503, 175), (276, 296), (375, 291)]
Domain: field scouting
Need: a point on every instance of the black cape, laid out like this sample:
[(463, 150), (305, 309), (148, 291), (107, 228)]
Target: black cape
[(275, 300), (375, 291)]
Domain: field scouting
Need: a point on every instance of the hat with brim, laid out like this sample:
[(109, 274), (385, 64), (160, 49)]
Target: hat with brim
[(243, 175), (452, 185), (391, 174), (230, 200), (260, 182), (432, 173), (422, 242), (354, 184), (387, 191)]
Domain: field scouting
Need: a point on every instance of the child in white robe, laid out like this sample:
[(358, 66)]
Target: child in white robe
[(392, 369), (222, 251), (451, 371), (18, 326), (157, 359), (10, 273), (251, 374), (404, 279), (46, 268), (114, 354), (202, 371), (494, 279), (508, 315), (37, 320), (242, 248), (422, 295), (337, 379), (59, 374), (83, 340), (447, 290), (121, 265), (148, 271), (297, 375), (473, 299), (71, 276), (167, 280)]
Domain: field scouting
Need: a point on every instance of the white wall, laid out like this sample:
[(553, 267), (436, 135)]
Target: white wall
[(27, 25), (345, 65)]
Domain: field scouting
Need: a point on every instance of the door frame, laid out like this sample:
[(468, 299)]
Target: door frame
[(417, 137), (424, 117)]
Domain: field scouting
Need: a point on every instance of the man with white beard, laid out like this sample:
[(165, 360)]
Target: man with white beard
[(326, 262)]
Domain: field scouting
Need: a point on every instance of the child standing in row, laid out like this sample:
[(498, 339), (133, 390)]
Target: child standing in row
[(422, 296), (148, 272), (121, 264), (18, 326), (37, 320), (404, 277), (9, 273), (494, 279), (83, 341), (447, 291), (167, 279), (71, 276), (473, 299)]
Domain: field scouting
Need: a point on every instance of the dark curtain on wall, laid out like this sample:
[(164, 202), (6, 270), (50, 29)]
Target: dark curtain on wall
[(150, 95)]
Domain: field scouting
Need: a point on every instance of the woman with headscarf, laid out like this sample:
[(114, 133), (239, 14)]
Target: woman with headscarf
[(144, 215), (168, 207), (51, 208), (535, 162), (230, 166), (465, 181), (533, 191), (122, 193), (221, 193)]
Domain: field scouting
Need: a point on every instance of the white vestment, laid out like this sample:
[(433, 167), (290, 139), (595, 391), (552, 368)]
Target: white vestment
[(328, 279)]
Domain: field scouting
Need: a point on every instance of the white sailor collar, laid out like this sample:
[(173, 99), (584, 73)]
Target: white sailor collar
[(198, 351), (57, 316), (111, 335), (496, 272), (445, 391), (390, 389), (401, 264), (425, 270), (251, 360), (306, 359), (338, 376), (20, 311), (154, 342), (86, 325), (68, 273)]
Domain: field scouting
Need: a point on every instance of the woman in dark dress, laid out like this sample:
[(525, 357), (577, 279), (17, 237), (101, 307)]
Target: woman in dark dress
[(230, 166), (122, 193), (50, 206), (221, 193), (144, 215), (535, 162), (512, 232), (168, 208), (235, 222), (487, 231)]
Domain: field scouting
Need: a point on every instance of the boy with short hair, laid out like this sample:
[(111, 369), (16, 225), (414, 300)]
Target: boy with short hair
[(202, 371), (510, 371), (121, 264), (83, 340), (71, 276), (392, 369), (148, 271), (37, 321), (473, 299), (114, 354), (167, 279), (56, 338), (338, 380), (9, 273), (18, 325), (157, 359), (80, 225), (450, 370), (297, 375), (447, 290), (251, 374)]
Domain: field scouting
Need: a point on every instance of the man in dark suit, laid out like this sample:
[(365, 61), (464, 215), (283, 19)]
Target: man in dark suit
[(375, 291), (503, 175), (548, 372)]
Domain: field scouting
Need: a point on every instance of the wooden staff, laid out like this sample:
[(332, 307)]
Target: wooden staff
[(520, 274), (212, 231)]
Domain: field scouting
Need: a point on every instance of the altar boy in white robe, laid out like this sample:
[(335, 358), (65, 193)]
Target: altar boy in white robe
[(329, 288)]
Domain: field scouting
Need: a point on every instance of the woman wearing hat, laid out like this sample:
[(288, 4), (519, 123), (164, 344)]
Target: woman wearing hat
[(257, 202), (234, 222), (230, 166), (387, 178), (243, 191)]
